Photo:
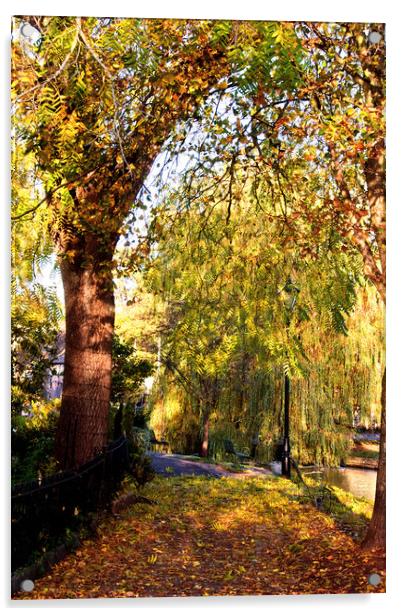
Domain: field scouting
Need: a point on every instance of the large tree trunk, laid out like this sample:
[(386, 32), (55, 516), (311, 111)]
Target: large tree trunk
[(375, 537), (89, 305)]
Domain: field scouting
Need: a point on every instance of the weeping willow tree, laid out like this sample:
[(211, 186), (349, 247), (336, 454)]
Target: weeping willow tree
[(227, 340), (343, 386)]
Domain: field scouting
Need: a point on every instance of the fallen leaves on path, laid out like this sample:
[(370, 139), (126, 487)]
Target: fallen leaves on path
[(214, 537)]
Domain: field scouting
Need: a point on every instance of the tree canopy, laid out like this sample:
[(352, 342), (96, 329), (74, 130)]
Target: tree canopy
[(242, 166)]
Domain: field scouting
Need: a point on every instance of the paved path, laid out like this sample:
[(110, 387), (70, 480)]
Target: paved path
[(367, 436), (174, 464)]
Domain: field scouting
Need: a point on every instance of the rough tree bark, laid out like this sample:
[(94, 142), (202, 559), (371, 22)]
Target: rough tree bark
[(89, 305)]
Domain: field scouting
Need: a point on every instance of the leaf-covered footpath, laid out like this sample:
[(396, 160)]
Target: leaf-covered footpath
[(215, 537)]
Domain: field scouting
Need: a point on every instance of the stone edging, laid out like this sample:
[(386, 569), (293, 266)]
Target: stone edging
[(42, 566)]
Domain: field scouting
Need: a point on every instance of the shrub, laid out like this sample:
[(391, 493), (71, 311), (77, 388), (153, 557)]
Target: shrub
[(32, 442), (141, 470)]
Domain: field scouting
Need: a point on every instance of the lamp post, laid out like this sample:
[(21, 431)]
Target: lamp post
[(292, 292), (286, 441)]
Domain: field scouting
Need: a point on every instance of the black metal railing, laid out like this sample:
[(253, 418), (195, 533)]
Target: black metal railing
[(45, 512)]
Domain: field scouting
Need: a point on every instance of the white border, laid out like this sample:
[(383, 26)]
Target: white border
[(319, 10), (342, 10)]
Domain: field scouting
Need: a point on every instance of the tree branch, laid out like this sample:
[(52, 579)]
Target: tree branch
[(54, 191)]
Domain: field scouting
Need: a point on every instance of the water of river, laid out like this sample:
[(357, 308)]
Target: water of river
[(358, 481)]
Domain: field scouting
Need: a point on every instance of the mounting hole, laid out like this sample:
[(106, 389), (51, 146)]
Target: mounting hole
[(374, 579), (27, 585), (375, 37)]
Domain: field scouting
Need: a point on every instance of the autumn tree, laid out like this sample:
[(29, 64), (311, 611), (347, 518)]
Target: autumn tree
[(319, 148), (226, 342), (359, 205), (333, 134), (297, 107), (95, 100)]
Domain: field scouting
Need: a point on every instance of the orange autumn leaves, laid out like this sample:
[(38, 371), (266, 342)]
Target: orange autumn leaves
[(214, 537)]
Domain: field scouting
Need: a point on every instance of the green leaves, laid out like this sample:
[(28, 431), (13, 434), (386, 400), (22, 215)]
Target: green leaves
[(278, 124), (128, 372)]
